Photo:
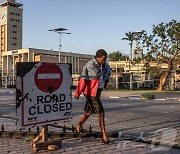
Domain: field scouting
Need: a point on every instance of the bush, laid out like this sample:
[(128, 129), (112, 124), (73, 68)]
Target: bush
[(147, 96)]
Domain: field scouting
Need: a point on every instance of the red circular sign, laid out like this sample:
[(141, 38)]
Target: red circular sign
[(48, 77)]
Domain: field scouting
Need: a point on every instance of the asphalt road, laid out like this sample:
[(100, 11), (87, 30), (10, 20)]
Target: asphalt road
[(131, 116), (138, 113), (7, 102)]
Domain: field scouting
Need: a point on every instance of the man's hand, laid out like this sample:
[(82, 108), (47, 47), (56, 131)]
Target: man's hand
[(105, 84)]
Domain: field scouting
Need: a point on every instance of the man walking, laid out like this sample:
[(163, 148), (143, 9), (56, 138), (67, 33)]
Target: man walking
[(94, 78)]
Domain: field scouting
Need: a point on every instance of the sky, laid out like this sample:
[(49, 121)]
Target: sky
[(93, 24)]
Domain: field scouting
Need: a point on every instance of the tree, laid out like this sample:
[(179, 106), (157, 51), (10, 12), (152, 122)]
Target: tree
[(134, 36), (115, 56), (163, 47), (130, 37)]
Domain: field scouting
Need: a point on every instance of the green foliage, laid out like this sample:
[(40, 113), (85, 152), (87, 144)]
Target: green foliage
[(137, 60), (147, 96), (115, 56), (163, 45), (130, 37), (154, 71)]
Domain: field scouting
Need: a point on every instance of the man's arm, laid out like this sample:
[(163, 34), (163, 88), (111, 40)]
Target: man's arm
[(107, 74)]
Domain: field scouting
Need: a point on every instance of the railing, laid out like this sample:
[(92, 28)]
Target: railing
[(8, 80)]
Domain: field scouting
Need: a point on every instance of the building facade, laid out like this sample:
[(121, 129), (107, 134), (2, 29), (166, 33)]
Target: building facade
[(11, 18), (11, 51), (10, 58), (123, 70)]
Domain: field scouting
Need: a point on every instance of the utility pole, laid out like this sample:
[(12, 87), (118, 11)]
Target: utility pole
[(59, 31)]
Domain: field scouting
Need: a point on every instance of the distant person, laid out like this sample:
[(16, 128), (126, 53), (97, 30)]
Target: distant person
[(94, 78)]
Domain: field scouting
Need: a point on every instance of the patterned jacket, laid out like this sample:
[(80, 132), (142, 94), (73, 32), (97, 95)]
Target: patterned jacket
[(93, 70), (89, 79)]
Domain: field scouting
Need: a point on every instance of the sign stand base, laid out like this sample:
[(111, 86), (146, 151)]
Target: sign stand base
[(45, 144)]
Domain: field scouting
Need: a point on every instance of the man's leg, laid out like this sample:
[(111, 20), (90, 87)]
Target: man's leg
[(101, 116), (102, 126), (83, 119)]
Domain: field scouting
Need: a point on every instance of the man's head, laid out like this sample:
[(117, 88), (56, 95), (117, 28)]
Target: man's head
[(101, 56)]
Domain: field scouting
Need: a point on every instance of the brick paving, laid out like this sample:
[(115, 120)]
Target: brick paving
[(132, 119), (84, 145)]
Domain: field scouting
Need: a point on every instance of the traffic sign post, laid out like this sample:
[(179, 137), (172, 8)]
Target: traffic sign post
[(43, 96)]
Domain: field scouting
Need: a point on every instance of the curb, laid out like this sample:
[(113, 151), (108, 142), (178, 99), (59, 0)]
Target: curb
[(139, 98), (7, 92)]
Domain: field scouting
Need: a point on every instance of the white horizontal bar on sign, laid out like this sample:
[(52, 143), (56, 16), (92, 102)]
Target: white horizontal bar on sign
[(48, 76)]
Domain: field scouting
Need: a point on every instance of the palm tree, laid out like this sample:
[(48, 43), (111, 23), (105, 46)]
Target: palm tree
[(130, 36)]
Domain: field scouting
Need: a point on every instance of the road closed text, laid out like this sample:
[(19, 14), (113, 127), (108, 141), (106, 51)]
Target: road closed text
[(49, 104)]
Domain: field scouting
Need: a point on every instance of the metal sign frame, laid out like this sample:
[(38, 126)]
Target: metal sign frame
[(37, 107)]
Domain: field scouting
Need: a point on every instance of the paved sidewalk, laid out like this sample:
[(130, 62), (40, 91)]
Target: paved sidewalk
[(85, 146), (131, 118)]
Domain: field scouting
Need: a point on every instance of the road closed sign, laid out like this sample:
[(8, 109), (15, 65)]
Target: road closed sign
[(43, 93)]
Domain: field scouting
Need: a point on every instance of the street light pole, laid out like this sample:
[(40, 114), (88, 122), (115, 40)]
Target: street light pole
[(59, 46), (59, 31), (136, 34), (130, 73)]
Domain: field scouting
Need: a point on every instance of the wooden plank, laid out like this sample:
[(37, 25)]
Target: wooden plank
[(38, 137), (53, 145), (45, 133)]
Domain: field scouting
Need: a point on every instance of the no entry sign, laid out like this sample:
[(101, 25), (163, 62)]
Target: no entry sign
[(48, 77), (43, 94)]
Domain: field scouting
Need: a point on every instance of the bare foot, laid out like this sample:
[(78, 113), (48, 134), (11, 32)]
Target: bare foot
[(78, 128), (105, 139)]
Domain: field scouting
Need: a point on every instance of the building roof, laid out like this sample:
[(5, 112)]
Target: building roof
[(10, 3)]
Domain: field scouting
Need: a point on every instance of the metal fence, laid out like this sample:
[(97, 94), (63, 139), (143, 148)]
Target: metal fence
[(8, 81)]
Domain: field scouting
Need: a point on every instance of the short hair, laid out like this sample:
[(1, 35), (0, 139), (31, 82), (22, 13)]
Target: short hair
[(100, 53)]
